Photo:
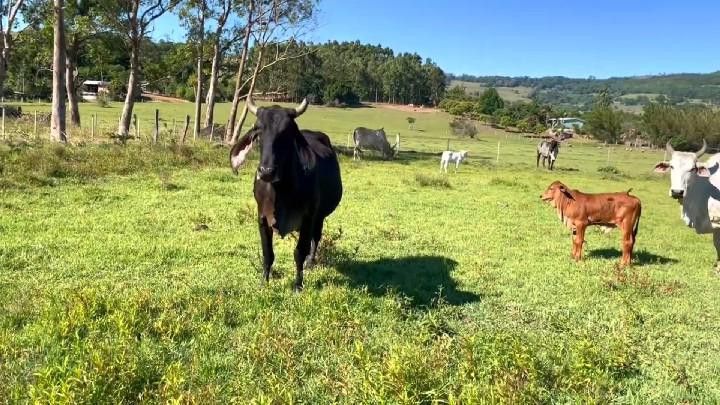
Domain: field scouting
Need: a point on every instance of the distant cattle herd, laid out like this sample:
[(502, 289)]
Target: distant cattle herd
[(298, 184)]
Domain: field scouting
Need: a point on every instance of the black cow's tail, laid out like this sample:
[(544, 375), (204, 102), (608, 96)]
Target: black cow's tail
[(637, 222)]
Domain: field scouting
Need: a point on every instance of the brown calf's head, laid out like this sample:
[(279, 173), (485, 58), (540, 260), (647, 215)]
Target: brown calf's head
[(556, 191), (281, 143)]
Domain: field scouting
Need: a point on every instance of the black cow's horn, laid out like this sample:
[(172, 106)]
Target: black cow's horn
[(702, 150), (251, 106), (669, 148), (301, 108)]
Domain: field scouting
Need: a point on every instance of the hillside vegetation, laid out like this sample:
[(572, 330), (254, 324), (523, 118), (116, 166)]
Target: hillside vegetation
[(557, 90)]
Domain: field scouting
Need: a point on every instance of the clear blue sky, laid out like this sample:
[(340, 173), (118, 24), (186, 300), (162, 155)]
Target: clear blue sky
[(530, 37)]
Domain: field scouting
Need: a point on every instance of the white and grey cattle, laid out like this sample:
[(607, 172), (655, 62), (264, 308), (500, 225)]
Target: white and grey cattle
[(548, 150), (374, 139), (452, 157), (696, 186)]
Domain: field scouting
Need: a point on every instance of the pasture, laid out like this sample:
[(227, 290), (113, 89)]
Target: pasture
[(132, 273), (509, 94)]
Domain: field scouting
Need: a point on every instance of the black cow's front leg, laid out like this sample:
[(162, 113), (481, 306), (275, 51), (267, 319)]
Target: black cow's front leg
[(301, 251), (266, 235)]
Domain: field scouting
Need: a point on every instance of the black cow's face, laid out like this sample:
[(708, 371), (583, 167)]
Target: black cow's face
[(278, 135)]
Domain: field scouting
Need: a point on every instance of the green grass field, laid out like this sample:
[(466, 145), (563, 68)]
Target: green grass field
[(131, 274), (509, 94)]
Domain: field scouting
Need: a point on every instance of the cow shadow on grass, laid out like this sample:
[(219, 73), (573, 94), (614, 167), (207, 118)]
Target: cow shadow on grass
[(420, 278), (640, 257)]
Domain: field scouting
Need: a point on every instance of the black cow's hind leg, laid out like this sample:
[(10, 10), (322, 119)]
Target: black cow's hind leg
[(301, 251), (266, 235), (537, 162), (314, 243)]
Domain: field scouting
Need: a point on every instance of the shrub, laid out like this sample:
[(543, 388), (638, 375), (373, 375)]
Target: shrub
[(432, 181), (340, 94), (103, 100), (463, 127)]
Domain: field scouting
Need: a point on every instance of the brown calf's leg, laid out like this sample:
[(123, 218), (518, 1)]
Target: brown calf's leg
[(628, 242), (578, 241)]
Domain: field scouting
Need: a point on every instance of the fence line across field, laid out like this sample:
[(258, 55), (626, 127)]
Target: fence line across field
[(162, 128)]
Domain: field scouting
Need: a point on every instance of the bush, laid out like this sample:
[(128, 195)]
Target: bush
[(463, 127), (338, 94), (103, 100)]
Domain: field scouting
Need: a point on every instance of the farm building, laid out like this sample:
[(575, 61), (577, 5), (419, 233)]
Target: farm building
[(91, 89), (567, 122)]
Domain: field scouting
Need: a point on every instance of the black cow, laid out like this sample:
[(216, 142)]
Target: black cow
[(549, 151), (374, 139), (297, 183)]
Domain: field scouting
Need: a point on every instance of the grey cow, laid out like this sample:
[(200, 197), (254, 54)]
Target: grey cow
[(696, 186), (549, 151), (374, 139)]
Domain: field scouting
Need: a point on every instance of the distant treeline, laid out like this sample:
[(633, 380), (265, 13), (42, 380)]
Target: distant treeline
[(334, 72), (349, 72), (679, 88)]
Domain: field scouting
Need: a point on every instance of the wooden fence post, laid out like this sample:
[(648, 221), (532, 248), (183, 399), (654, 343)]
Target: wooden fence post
[(35, 126), (92, 127), (497, 160), (187, 124), (3, 120), (173, 130), (157, 126)]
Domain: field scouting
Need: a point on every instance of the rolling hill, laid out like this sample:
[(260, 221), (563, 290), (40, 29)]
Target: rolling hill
[(695, 88)]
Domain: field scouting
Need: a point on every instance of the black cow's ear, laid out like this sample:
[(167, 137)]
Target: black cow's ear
[(240, 150)]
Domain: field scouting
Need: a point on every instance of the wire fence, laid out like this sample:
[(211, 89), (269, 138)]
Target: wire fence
[(178, 128), (100, 127)]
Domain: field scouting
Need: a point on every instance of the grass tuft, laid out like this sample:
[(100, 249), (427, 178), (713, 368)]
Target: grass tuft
[(433, 181)]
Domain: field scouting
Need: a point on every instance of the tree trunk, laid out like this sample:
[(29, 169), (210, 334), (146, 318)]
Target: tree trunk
[(6, 37), (243, 116), (127, 112), (229, 129), (3, 71), (57, 117), (70, 71), (212, 87), (198, 91)]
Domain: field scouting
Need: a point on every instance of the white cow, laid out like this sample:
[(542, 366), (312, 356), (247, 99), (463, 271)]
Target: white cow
[(696, 186), (450, 157)]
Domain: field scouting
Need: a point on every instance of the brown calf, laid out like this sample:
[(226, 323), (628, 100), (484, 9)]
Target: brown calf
[(579, 210)]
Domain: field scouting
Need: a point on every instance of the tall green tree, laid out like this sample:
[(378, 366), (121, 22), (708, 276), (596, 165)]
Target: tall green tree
[(604, 123), (133, 20), (490, 101)]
